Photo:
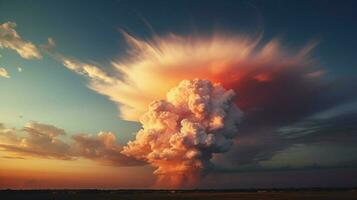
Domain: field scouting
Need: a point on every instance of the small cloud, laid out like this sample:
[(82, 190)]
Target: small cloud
[(19, 69), (93, 72), (51, 43), (10, 39), (316, 74), (4, 73)]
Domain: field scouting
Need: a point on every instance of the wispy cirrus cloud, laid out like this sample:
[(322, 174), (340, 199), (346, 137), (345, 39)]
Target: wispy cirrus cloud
[(95, 73), (10, 39)]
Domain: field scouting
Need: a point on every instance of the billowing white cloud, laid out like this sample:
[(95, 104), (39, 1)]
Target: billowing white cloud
[(10, 39), (181, 134), (4, 73)]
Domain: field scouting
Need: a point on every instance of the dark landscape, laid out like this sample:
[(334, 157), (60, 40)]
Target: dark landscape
[(261, 194)]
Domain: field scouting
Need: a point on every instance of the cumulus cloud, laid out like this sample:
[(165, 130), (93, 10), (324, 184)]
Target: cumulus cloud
[(180, 134), (47, 141), (275, 86), (10, 39), (4, 73)]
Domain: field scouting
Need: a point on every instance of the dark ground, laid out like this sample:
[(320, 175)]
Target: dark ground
[(311, 194)]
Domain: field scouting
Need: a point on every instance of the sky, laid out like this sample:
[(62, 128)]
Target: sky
[(75, 77)]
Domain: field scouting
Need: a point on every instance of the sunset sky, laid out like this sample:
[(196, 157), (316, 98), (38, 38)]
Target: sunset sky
[(75, 77)]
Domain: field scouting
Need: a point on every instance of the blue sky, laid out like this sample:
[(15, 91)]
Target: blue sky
[(89, 31), (45, 91)]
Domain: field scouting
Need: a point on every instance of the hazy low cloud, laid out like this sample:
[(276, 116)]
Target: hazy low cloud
[(4, 73), (102, 147), (47, 141), (39, 140), (10, 39)]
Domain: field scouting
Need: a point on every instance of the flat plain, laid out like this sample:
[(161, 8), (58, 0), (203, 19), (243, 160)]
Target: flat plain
[(175, 195)]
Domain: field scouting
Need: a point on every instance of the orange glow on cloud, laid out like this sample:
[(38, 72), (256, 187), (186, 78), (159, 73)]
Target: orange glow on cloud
[(261, 75), (155, 66), (181, 134), (36, 157)]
